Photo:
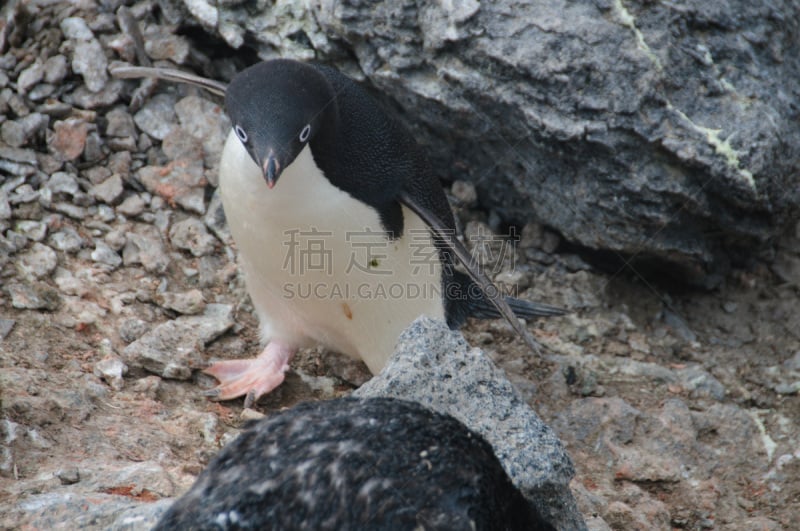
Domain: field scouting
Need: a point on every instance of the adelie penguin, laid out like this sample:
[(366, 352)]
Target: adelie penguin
[(344, 234), (349, 464)]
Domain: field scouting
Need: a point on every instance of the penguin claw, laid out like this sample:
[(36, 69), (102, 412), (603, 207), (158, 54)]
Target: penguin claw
[(251, 378)]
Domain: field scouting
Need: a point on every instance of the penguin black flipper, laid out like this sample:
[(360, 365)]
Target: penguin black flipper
[(446, 237)]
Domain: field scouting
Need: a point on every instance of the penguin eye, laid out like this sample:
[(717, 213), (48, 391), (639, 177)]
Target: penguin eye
[(240, 133), (305, 133)]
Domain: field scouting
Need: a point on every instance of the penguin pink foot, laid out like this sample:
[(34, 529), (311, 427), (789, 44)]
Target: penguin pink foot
[(254, 377)]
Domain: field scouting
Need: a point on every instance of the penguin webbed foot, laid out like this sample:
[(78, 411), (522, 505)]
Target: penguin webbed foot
[(252, 378)]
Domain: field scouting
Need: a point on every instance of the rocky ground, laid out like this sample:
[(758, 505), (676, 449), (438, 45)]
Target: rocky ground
[(679, 408)]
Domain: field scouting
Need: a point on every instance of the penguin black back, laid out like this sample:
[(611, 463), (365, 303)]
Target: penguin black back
[(382, 464)]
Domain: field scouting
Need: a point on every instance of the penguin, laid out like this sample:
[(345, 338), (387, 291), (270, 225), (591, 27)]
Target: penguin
[(379, 463), (344, 234)]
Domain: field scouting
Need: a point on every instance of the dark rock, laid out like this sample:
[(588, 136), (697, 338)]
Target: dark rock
[(621, 129)]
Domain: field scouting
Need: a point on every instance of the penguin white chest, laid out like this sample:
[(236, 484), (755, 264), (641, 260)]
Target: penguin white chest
[(318, 265)]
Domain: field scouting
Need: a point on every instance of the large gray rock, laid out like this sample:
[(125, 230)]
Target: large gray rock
[(436, 367), (660, 132)]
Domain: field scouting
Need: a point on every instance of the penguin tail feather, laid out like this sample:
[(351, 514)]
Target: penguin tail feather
[(483, 309), (465, 299)]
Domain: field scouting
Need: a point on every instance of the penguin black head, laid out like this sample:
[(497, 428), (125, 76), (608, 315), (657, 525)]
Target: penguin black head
[(277, 107)]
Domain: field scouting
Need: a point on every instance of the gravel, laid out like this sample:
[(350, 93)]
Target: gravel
[(678, 409)]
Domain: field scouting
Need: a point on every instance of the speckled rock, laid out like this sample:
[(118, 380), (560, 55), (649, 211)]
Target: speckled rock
[(173, 348), (108, 191), (39, 262), (191, 235), (36, 296), (188, 303), (145, 247), (436, 367), (157, 116)]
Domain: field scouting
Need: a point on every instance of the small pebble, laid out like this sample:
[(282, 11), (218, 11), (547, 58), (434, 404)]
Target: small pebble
[(15, 241), (87, 99), (76, 28), (157, 117), (132, 206), (90, 61), (73, 211), (55, 69), (39, 262), (41, 91), (115, 239), (69, 139), (106, 255), (15, 133), (37, 296), (120, 123), (23, 194), (109, 191), (5, 206), (464, 192), (30, 77), (147, 250), (111, 369), (63, 183), (6, 325), (189, 303), (250, 414), (105, 214), (730, 306), (168, 46), (55, 109), (68, 476), (67, 240), (191, 235), (33, 230), (132, 329), (94, 150)]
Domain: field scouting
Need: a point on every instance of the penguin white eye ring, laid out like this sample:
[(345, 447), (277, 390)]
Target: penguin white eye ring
[(241, 133), (305, 133)]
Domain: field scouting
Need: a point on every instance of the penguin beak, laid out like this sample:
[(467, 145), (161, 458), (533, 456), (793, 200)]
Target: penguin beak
[(272, 170)]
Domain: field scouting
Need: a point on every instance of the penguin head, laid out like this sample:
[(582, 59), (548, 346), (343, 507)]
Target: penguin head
[(276, 108)]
